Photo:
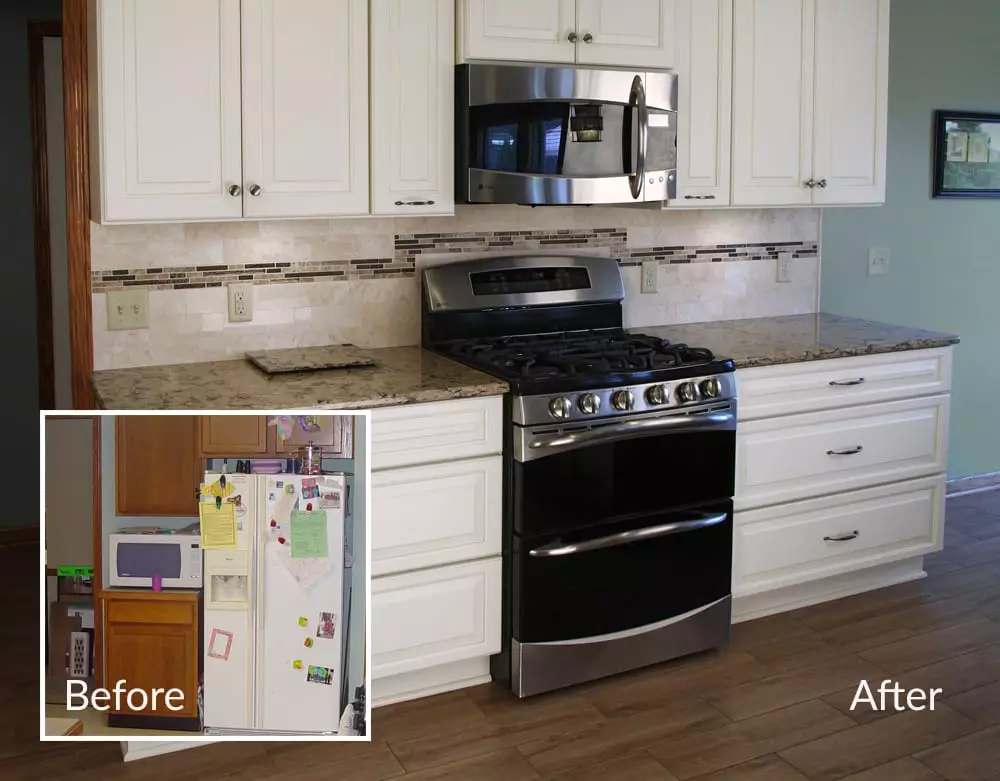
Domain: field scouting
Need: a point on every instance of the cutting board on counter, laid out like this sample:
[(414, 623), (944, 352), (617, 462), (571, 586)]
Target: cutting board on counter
[(303, 359)]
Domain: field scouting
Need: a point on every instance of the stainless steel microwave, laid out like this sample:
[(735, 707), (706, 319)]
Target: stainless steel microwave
[(551, 135)]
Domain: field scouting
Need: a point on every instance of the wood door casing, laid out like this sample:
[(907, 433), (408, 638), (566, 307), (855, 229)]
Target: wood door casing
[(157, 468), (233, 435)]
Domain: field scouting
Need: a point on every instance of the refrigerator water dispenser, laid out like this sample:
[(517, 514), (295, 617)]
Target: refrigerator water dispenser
[(227, 580)]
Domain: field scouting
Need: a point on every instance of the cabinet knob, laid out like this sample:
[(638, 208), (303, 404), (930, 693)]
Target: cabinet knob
[(254, 190), (821, 183), (810, 183), (235, 190), (572, 38), (588, 38)]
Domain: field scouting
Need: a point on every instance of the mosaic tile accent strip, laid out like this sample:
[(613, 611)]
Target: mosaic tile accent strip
[(407, 247)]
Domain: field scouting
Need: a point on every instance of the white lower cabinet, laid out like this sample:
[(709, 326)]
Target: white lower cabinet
[(835, 495), (436, 524)]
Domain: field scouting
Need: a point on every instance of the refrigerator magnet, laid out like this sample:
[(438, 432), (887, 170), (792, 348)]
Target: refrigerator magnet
[(289, 489), (325, 629), (309, 488), (297, 664), (320, 675), (308, 642), (219, 644), (303, 621)]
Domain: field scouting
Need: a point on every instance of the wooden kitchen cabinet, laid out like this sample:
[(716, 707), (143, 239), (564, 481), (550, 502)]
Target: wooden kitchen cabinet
[(233, 435), (336, 437), (157, 466), (151, 642)]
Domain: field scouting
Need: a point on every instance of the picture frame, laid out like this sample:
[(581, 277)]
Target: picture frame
[(966, 154)]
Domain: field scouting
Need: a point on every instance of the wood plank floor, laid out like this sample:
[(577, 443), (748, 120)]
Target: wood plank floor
[(775, 706)]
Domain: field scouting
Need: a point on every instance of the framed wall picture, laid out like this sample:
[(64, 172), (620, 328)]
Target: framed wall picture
[(966, 155)]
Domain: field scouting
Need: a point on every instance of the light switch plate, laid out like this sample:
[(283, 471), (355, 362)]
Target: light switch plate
[(650, 271), (878, 261), (128, 310)]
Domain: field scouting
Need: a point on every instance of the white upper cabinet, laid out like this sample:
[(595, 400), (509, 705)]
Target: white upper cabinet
[(412, 107), (852, 80), (704, 67), (639, 33), (305, 107), (538, 30), (772, 102), (165, 83), (810, 82)]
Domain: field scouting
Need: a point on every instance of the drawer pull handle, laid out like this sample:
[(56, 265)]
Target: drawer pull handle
[(842, 537), (850, 451), (414, 203), (846, 383)]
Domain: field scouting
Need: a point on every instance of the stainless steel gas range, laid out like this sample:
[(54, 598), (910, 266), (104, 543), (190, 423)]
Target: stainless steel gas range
[(619, 468)]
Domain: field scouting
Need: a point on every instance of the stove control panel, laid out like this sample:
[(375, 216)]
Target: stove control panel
[(612, 402)]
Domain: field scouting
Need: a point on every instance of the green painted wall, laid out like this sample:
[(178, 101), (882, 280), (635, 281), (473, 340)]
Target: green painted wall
[(945, 267)]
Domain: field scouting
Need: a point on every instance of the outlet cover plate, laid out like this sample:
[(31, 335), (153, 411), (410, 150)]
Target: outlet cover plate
[(128, 310), (240, 302), (784, 267), (650, 271), (878, 261)]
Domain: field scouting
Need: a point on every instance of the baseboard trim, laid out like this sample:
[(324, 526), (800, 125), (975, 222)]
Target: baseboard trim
[(974, 484), (19, 535), (434, 680), (845, 585), (133, 750)]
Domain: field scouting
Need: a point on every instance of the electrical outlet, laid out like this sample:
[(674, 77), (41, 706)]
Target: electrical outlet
[(128, 309), (878, 261), (241, 303), (784, 267), (650, 271)]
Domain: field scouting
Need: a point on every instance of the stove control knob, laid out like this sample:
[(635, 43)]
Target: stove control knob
[(622, 400), (657, 394), (560, 407), (589, 403), (711, 388), (686, 392)]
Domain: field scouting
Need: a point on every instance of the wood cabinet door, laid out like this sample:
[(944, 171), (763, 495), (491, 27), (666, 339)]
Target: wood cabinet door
[(852, 86), (233, 435), (531, 30), (157, 466), (336, 437), (772, 102), (637, 34), (168, 129), (704, 118), (413, 107), (153, 656), (305, 107)]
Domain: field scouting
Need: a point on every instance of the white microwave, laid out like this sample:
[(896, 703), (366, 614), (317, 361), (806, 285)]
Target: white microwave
[(136, 557)]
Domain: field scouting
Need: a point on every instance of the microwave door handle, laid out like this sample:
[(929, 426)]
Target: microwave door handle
[(637, 98), (614, 540)]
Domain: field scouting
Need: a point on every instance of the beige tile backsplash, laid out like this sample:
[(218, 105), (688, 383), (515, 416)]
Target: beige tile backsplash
[(191, 324)]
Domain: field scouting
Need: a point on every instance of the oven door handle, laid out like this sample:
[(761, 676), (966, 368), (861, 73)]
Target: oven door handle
[(623, 538), (707, 421)]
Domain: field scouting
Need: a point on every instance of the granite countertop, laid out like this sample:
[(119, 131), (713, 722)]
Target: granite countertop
[(767, 341), (404, 375)]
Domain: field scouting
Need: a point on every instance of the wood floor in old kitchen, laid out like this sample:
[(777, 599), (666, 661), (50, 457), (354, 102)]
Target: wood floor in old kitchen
[(774, 706)]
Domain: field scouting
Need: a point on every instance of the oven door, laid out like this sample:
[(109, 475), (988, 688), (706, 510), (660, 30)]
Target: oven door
[(556, 135), (642, 573)]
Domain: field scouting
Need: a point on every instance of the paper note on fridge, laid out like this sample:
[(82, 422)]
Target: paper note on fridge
[(218, 525), (309, 534)]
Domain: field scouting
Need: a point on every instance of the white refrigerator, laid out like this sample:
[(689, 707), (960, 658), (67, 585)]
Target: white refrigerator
[(272, 647)]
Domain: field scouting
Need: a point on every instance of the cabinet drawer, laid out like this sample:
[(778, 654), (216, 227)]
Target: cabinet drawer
[(438, 431), (435, 616), (842, 382), (424, 516), (800, 456), (150, 612), (802, 541)]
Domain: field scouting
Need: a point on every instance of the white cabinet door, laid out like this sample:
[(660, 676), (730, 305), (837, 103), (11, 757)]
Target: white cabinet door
[(435, 616), (772, 101), (412, 111), (852, 84), (534, 30), (639, 33), (704, 119), (305, 107), (168, 121), (424, 516)]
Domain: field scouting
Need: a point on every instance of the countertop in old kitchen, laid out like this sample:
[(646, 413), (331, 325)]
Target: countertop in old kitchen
[(407, 375)]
